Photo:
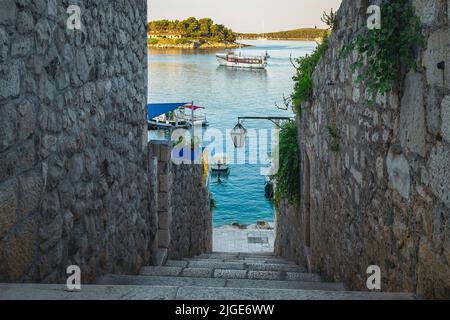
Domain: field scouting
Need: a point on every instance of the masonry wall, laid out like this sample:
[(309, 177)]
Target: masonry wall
[(73, 140), (384, 198), (184, 208)]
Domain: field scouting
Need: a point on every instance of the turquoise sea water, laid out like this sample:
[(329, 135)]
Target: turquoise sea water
[(178, 76)]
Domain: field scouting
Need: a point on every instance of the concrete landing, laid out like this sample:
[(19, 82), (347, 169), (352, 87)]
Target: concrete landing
[(246, 241)]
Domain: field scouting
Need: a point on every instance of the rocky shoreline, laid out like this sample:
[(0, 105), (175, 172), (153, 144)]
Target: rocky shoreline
[(196, 45)]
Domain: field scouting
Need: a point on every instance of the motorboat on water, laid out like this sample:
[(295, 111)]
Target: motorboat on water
[(238, 60), (220, 164), (176, 115)]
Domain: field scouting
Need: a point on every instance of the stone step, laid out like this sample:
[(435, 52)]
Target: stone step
[(195, 293), (235, 265), (217, 255), (244, 265), (254, 260), (137, 292), (217, 282), (229, 274)]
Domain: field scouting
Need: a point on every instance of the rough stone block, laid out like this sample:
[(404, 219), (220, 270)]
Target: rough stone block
[(8, 123), (433, 100), (165, 219), (10, 80), (25, 22), (399, 173), (8, 206), (163, 201), (4, 45), (412, 115), (22, 47), (8, 12), (163, 238), (445, 112), (18, 251), (427, 10), (436, 52), (164, 183), (165, 153), (439, 172), (31, 188)]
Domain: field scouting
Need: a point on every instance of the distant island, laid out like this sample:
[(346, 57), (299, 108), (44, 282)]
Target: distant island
[(306, 34), (190, 34)]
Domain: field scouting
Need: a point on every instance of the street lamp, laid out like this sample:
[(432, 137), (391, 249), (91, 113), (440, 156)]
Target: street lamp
[(238, 135)]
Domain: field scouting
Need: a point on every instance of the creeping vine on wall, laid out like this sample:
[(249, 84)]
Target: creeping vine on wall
[(288, 176), (385, 54), (303, 85)]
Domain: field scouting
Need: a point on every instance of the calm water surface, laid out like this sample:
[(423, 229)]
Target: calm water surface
[(179, 76)]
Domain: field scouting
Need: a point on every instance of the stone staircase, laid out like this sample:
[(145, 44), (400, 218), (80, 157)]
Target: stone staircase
[(240, 276)]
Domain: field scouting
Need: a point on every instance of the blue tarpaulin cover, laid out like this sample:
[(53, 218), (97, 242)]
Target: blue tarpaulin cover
[(156, 109)]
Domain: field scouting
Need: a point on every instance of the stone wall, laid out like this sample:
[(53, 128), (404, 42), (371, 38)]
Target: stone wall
[(184, 210), (73, 140), (191, 228), (384, 197), (289, 233)]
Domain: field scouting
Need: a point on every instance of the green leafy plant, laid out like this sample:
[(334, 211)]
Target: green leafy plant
[(335, 139), (387, 53), (303, 84), (287, 184)]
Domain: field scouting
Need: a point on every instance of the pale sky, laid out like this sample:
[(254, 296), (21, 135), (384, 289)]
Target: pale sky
[(246, 15)]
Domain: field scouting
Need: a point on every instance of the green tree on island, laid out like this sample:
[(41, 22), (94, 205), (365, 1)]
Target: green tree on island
[(191, 28)]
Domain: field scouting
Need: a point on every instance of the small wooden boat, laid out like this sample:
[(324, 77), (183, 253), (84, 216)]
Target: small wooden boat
[(220, 164)]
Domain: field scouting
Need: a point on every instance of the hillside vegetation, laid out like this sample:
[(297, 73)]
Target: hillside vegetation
[(298, 34), (193, 29)]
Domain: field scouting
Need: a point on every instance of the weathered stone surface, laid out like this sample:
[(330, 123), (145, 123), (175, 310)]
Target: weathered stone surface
[(17, 252), (399, 173), (70, 146), (31, 190), (445, 112), (8, 122), (10, 80), (399, 223), (427, 10), (436, 52), (25, 22), (433, 101), (22, 47), (440, 173), (4, 45), (188, 220), (8, 12), (8, 206), (412, 115)]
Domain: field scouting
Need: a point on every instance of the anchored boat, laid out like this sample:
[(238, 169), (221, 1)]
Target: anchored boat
[(231, 59)]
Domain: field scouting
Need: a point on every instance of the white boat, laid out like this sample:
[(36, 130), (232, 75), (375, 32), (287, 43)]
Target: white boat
[(220, 164), (231, 59)]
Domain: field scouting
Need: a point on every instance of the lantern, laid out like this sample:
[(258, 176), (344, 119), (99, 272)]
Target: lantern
[(238, 135)]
